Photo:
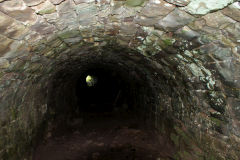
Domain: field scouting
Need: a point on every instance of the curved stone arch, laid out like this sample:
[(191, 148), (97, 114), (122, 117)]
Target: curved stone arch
[(198, 54)]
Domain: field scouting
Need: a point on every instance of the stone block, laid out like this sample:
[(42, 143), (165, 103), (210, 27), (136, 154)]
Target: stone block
[(11, 28), (33, 2), (217, 20), (187, 33), (65, 7), (83, 1), (42, 27), (86, 11), (4, 63), (175, 20), (128, 28), (17, 48), (19, 11), (179, 2), (233, 11), (45, 8), (154, 10), (56, 2), (202, 7), (4, 45), (234, 32), (145, 21), (51, 18), (134, 3)]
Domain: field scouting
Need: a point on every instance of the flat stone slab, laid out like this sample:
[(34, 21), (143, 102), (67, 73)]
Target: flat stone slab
[(179, 2), (175, 20), (19, 11), (45, 8), (202, 7), (33, 2), (233, 11), (56, 2), (156, 10)]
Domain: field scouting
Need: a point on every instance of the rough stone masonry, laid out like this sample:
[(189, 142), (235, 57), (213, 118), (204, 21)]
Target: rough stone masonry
[(188, 50)]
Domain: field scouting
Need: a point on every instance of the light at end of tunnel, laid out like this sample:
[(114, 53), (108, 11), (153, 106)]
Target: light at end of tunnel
[(91, 81)]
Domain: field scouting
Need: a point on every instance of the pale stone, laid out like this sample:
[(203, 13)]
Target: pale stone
[(155, 10), (67, 15), (198, 24), (83, 1), (122, 12), (33, 37), (51, 18), (144, 21), (234, 32), (86, 11), (13, 5), (179, 2), (134, 3), (45, 8), (187, 33), (42, 27), (17, 48), (128, 28), (4, 45), (4, 63), (11, 28), (19, 11), (56, 2), (203, 7), (87, 14), (65, 7), (217, 20), (33, 2), (175, 20)]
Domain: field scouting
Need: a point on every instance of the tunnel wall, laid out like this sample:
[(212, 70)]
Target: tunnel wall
[(191, 59)]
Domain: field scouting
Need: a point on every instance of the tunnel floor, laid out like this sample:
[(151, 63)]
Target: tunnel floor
[(105, 136)]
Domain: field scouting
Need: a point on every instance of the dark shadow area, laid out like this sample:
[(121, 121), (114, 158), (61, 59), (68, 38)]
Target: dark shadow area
[(104, 136), (109, 92), (102, 111)]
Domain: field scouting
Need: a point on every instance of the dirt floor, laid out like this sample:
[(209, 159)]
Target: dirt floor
[(105, 136)]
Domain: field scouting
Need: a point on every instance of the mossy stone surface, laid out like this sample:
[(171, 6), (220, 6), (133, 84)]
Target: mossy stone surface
[(134, 3)]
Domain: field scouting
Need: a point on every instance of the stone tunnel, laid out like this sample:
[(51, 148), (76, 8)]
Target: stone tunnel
[(119, 79)]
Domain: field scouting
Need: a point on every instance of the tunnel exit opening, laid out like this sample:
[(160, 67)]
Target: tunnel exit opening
[(104, 91)]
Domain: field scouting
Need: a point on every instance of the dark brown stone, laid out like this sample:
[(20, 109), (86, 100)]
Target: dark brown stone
[(232, 12)]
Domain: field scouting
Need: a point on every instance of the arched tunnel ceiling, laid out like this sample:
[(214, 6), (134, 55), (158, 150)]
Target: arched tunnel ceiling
[(187, 50)]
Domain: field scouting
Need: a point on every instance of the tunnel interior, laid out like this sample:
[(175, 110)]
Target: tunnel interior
[(106, 98), (98, 85), (108, 91)]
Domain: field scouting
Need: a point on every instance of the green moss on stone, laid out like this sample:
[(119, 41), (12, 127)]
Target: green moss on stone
[(69, 34), (216, 121), (61, 48), (134, 3), (168, 42), (47, 11)]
